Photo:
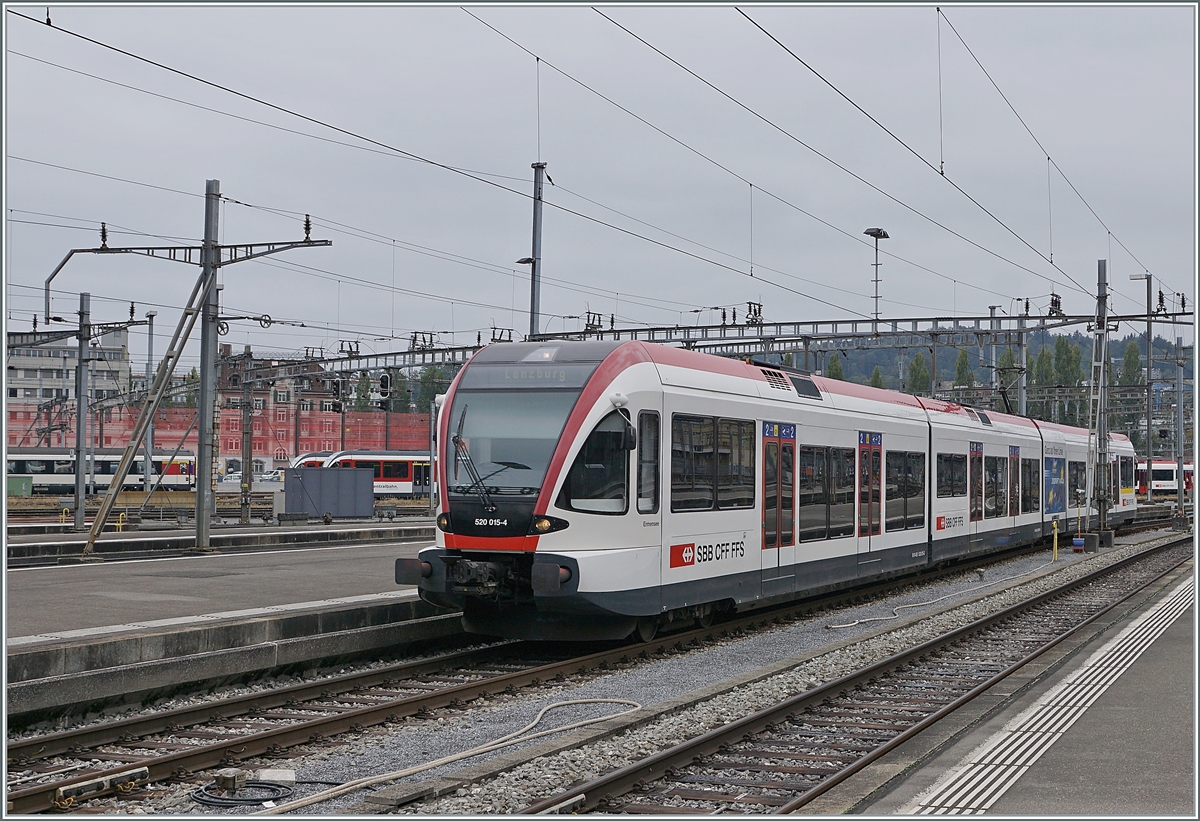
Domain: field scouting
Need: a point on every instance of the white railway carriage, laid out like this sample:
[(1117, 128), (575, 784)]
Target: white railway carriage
[(51, 470), (593, 489)]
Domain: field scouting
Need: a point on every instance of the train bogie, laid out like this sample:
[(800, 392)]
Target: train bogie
[(594, 490)]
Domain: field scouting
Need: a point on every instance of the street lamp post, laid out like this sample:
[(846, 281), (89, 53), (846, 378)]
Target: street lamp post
[(1149, 387), (878, 234)]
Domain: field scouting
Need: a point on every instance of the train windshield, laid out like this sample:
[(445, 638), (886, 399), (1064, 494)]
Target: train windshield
[(501, 441)]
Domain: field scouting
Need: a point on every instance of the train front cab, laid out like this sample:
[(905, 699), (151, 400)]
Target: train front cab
[(541, 524)]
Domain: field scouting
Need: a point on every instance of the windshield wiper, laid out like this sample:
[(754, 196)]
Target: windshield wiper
[(460, 450)]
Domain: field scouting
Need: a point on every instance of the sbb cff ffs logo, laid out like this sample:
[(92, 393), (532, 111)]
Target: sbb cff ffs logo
[(683, 555), (949, 522)]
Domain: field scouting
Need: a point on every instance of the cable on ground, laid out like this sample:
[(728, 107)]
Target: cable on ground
[(896, 610), (505, 741)]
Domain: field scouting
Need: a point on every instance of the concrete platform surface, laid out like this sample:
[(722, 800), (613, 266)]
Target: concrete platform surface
[(47, 600), (1109, 733), (87, 637)]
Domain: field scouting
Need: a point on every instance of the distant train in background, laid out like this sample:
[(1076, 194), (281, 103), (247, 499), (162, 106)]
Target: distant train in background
[(52, 470), (1162, 477), (397, 472)]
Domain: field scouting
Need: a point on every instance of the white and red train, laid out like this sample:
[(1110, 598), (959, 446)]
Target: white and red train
[(52, 469), (1162, 477), (588, 490), (397, 472)]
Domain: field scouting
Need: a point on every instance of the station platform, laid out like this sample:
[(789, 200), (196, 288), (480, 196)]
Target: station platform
[(109, 633), (1102, 726), (24, 549)]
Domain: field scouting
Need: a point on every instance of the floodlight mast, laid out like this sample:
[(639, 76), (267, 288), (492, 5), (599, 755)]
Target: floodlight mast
[(878, 234)]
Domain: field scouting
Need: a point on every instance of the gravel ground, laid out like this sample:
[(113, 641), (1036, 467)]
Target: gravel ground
[(385, 750)]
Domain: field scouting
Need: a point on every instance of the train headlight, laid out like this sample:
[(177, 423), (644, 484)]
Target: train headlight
[(546, 524), (443, 522)]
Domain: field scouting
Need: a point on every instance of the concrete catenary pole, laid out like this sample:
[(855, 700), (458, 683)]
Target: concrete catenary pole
[(1149, 382), (205, 496), (1023, 362), (147, 462), (1180, 489), (81, 403), (992, 350), (535, 267), (247, 483), (1103, 487)]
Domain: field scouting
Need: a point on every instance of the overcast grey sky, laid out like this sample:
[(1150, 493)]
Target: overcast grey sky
[(1109, 92)]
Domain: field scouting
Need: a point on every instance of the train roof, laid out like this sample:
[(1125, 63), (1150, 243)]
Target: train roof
[(636, 350), (340, 453)]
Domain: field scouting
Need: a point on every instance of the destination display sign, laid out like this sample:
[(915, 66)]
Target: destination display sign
[(527, 374)]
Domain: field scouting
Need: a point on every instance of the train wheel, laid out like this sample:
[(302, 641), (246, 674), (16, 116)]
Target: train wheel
[(705, 619), (647, 628)]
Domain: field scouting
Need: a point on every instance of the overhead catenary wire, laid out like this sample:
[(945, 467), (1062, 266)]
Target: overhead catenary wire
[(825, 157), (384, 152), (427, 160), (813, 282), (780, 199), (1049, 159), (912, 151)]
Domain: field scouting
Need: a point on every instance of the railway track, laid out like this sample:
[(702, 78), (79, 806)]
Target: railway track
[(64, 769), (779, 759)]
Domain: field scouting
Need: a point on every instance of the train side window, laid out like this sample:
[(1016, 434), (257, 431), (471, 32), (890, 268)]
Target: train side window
[(1031, 491), (692, 465), (598, 479), (813, 501), (64, 466), (648, 455), (841, 492), (1126, 472), (915, 504), (951, 475), (12, 467), (376, 468), (35, 466), (1076, 484), (735, 464)]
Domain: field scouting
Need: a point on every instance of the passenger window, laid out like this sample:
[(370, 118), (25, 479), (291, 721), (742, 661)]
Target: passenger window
[(813, 501), (692, 464), (735, 464), (915, 503), (951, 475), (648, 450), (598, 480), (1031, 492)]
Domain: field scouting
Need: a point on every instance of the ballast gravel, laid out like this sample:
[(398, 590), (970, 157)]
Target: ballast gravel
[(798, 646)]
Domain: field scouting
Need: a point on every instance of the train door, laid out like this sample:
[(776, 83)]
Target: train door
[(649, 476), (420, 478), (1014, 485), (975, 491), (870, 470), (778, 507)]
